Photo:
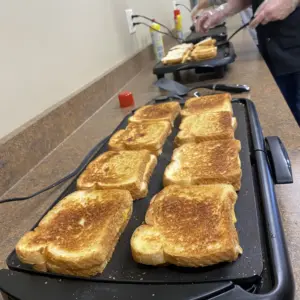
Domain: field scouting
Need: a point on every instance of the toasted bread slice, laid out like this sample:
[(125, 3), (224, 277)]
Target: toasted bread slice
[(126, 170), (173, 58), (189, 226), (159, 112), (204, 53), (183, 46), (205, 104), (178, 54), (205, 127), (187, 56), (206, 42), (205, 163), (78, 236), (138, 136)]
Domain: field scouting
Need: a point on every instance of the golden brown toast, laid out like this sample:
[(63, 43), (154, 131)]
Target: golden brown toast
[(159, 112), (202, 53), (190, 226), (205, 127), (205, 104), (138, 136), (126, 170), (174, 57), (208, 162), (187, 56), (79, 235), (206, 42)]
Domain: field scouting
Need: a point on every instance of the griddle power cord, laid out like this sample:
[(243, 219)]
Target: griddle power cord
[(142, 23), (152, 20), (80, 168), (179, 4)]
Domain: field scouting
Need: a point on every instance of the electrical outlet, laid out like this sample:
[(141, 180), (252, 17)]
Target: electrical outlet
[(129, 14), (174, 4)]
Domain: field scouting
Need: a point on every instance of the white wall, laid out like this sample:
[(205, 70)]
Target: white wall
[(50, 49)]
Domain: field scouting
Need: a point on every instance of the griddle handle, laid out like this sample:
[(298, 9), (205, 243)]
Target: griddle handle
[(279, 161), (188, 66), (233, 88), (284, 286)]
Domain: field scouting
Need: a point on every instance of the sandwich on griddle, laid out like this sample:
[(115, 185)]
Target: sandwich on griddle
[(137, 136), (205, 127), (78, 236), (202, 53), (208, 162), (208, 42), (178, 54), (192, 226), (205, 104), (126, 170), (159, 112)]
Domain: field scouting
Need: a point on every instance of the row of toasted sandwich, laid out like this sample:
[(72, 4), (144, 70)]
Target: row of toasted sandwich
[(189, 223), (183, 53)]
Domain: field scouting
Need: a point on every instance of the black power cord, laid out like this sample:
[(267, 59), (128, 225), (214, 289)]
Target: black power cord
[(143, 23), (153, 20), (80, 168), (179, 4)]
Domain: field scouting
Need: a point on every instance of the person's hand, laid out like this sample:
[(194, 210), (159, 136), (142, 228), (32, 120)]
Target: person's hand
[(273, 10), (202, 4), (210, 19)]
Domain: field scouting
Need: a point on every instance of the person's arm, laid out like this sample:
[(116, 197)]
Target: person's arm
[(213, 17), (275, 10), (202, 4)]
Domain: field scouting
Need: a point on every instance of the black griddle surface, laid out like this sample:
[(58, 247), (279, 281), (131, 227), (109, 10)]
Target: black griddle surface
[(225, 56), (249, 265)]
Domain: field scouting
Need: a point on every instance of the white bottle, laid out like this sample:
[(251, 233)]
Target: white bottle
[(157, 42)]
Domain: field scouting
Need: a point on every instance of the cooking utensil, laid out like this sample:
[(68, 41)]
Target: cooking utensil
[(181, 90)]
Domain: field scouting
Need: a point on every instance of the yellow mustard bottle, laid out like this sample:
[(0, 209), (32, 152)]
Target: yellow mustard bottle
[(179, 30)]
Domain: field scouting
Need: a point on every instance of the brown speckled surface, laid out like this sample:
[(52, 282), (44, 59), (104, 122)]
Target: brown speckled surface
[(275, 117)]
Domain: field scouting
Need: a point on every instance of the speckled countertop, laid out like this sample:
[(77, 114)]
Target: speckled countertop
[(275, 117)]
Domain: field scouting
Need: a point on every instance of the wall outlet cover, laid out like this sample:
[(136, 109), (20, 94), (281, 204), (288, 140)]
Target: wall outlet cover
[(131, 27)]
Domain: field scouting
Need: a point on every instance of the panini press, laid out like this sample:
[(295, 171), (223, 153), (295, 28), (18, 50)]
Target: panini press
[(263, 271), (215, 67)]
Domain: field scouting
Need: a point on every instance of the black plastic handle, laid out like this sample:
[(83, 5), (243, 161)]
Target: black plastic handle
[(283, 277), (188, 66), (279, 161), (234, 88)]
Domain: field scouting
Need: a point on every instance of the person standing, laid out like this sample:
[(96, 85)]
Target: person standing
[(277, 23)]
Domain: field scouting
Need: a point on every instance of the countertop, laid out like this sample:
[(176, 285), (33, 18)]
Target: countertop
[(274, 114)]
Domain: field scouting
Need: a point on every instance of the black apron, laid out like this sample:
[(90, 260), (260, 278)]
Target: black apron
[(279, 43)]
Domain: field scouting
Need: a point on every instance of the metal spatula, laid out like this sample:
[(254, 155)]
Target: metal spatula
[(176, 88)]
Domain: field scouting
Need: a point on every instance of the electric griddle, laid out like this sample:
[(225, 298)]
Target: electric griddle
[(262, 272)]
